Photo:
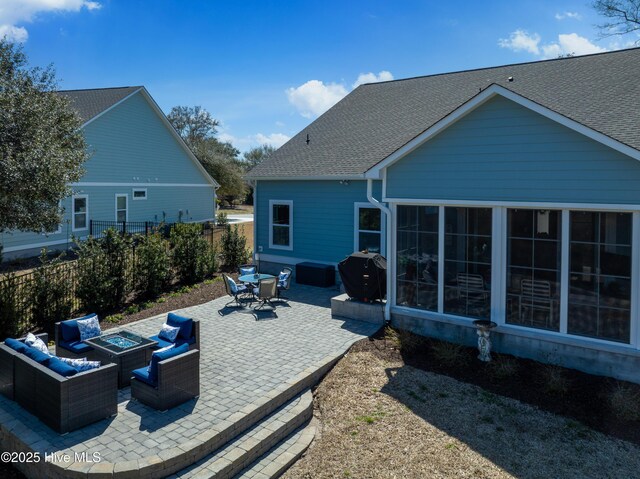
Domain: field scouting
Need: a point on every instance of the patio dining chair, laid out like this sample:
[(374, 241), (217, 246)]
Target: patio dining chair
[(284, 282), (267, 290), (239, 292)]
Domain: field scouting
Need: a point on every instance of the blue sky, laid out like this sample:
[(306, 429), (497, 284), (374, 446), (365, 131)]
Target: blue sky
[(265, 69)]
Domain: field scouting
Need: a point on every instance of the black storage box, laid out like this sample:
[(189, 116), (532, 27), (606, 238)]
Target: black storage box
[(315, 274)]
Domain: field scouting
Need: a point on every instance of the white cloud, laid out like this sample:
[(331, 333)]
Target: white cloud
[(567, 44), (520, 40), (571, 44), (274, 139), (572, 15), (371, 77), (13, 12), (315, 97), (14, 34)]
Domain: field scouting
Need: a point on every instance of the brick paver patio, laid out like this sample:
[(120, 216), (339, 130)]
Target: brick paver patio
[(244, 358)]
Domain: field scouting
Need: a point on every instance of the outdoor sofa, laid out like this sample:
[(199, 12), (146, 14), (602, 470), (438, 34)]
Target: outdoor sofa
[(189, 332), (63, 403), (7, 366)]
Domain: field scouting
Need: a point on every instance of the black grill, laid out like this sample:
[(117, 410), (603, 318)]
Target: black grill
[(364, 276)]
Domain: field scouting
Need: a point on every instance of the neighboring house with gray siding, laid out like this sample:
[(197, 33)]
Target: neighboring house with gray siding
[(509, 193), (139, 170)]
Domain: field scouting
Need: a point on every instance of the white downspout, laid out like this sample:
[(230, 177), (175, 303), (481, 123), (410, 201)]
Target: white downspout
[(387, 213)]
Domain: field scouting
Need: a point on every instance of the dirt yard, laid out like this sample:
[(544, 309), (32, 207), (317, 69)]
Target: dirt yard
[(381, 418)]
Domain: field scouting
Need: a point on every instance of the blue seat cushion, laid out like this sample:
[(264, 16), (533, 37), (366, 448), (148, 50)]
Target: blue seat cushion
[(16, 345), (62, 368), (77, 347), (142, 374), (185, 324), (162, 343), (37, 355), (157, 357)]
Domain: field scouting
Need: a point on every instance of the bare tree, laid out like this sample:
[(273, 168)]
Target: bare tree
[(623, 17)]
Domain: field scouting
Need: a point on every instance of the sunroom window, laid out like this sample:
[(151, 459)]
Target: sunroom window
[(533, 268), (600, 275), (417, 258), (467, 262)]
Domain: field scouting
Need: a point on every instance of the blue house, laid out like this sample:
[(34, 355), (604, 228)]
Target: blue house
[(510, 194), (139, 170)]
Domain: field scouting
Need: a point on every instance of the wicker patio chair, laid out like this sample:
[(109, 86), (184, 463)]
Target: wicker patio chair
[(178, 381), (7, 366), (267, 290)]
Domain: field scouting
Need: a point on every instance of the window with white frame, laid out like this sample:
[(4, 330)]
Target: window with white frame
[(139, 194), (600, 275), (533, 268), (281, 224), (80, 212), (121, 208), (368, 228), (417, 256)]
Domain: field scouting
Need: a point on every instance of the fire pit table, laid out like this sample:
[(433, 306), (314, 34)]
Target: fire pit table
[(124, 348)]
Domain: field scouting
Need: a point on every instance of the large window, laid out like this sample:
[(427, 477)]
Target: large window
[(533, 268), (80, 207), (281, 224), (467, 262), (121, 208), (600, 275), (417, 259), (368, 234)]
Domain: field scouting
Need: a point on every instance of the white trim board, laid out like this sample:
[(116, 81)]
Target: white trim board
[(478, 100), (517, 204)]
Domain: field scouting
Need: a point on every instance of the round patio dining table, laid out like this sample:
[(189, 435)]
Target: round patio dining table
[(254, 278)]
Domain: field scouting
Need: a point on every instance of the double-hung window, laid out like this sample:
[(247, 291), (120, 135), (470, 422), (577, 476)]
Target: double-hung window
[(80, 212), (368, 232), (281, 224)]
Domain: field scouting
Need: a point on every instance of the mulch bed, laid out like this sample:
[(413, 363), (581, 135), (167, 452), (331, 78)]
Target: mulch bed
[(570, 393)]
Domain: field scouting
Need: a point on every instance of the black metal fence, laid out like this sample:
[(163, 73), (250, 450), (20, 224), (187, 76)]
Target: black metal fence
[(97, 229)]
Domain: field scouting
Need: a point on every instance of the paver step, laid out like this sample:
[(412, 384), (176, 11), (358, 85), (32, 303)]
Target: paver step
[(275, 462), (250, 445)]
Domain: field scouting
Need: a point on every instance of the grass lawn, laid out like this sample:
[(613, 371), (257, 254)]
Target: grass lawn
[(381, 418), (237, 210)]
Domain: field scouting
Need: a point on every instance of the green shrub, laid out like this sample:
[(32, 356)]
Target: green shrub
[(10, 306), (503, 367), (554, 380), (50, 293), (191, 254), (449, 354), (624, 401), (234, 247), (103, 267), (153, 266), (222, 219)]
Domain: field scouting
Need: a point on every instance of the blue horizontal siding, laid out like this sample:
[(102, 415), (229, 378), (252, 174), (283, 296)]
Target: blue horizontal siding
[(323, 216), (170, 200), (131, 143), (503, 151)]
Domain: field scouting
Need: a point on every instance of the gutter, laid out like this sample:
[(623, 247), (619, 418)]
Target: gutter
[(387, 213)]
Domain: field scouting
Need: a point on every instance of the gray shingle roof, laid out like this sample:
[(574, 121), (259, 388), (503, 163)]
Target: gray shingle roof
[(90, 103), (600, 91)]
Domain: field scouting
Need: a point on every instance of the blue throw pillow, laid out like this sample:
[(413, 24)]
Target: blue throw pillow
[(157, 357), (248, 270), (61, 368), (37, 356), (233, 287), (170, 333), (185, 324), (16, 345), (89, 328)]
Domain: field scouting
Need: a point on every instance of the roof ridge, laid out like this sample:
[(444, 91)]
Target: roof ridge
[(105, 88), (501, 66)]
